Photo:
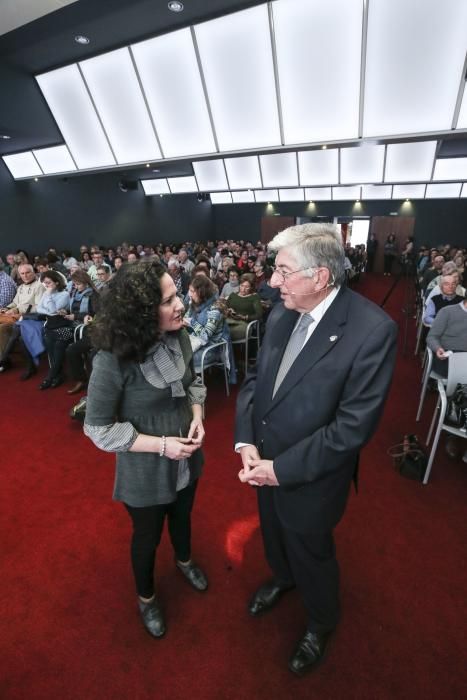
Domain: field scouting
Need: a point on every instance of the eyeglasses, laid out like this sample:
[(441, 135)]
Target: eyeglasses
[(283, 276)]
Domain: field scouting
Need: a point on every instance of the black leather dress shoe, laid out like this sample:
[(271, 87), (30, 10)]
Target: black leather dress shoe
[(153, 619), (309, 653), (56, 381), (193, 575), (46, 384), (30, 372), (266, 597)]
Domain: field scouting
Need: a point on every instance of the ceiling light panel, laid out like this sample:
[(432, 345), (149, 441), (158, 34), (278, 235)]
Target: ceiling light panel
[(462, 118), (292, 195), (343, 193), (243, 172), (408, 191), (266, 195), (114, 87), (156, 186), (450, 169), (237, 64), (55, 160), (376, 191), (409, 161), (22, 165), (362, 164), (319, 167), (446, 190), (72, 108), (221, 197), (317, 77), (243, 196), (171, 80), (180, 185), (279, 170), (414, 62), (318, 194), (464, 190), (210, 174)]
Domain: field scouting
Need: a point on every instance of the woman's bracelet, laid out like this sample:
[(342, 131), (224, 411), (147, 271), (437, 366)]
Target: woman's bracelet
[(163, 446)]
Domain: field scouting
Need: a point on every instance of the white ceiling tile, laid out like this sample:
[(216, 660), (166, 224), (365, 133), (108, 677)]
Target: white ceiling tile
[(408, 191), (243, 172), (414, 62), (318, 194), (319, 167), (169, 89), (318, 57), (446, 190), (362, 164), (407, 162), (344, 193), (55, 160), (450, 169), (237, 64), (279, 170), (114, 87), (22, 165)]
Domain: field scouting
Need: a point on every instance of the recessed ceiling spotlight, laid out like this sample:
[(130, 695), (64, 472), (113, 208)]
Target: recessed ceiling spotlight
[(81, 39), (323, 147), (5, 137), (175, 6), (36, 179), (147, 165)]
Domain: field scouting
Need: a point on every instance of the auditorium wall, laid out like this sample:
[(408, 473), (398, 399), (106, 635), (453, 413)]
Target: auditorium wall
[(67, 211)]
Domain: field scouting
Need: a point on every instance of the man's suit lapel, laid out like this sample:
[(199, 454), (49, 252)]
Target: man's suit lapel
[(326, 337)]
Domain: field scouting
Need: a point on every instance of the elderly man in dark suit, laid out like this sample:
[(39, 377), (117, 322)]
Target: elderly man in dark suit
[(304, 412)]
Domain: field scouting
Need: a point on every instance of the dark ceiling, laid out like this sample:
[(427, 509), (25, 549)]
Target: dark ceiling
[(49, 43)]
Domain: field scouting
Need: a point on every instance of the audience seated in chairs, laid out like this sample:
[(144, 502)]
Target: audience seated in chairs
[(243, 307), (25, 301), (59, 328), (269, 295), (233, 284)]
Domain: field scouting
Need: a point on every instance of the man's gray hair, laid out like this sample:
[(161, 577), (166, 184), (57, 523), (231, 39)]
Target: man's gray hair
[(314, 245), (449, 267)]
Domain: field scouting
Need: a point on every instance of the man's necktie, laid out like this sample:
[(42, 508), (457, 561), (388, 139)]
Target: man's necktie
[(293, 348)]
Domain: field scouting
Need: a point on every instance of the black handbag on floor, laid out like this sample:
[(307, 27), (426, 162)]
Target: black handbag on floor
[(410, 458), (456, 413)]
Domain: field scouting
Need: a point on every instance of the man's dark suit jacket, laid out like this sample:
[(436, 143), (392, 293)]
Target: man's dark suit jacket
[(325, 410)]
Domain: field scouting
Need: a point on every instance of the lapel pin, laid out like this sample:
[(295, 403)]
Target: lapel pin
[(332, 338)]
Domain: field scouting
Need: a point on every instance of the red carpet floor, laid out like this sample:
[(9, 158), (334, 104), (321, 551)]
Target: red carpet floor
[(69, 626)]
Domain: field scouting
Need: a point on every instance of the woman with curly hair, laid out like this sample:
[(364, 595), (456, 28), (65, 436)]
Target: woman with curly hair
[(145, 404)]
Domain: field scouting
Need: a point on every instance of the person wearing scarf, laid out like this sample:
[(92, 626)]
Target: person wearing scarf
[(145, 404)]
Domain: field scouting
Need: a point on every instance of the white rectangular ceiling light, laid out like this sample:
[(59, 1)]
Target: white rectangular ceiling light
[(279, 170), (407, 162), (112, 82), (292, 195), (266, 196), (243, 196), (72, 108), (408, 191), (22, 165), (171, 80), (319, 82), (155, 186), (180, 185), (319, 167), (243, 172), (210, 174), (220, 197), (55, 160), (462, 118), (376, 192), (344, 193), (464, 190), (237, 64), (362, 164), (318, 194), (414, 62), (445, 190), (450, 169)]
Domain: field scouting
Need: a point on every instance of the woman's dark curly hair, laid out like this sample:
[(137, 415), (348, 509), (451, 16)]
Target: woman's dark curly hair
[(128, 320), (55, 277)]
